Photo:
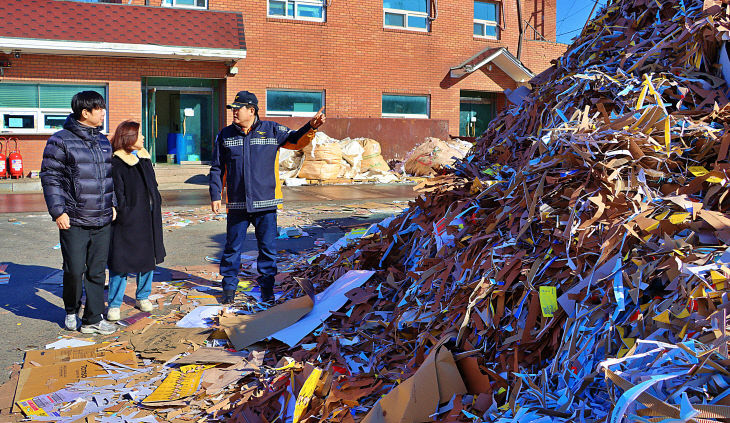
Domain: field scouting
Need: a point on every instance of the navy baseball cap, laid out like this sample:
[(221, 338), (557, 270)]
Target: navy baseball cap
[(244, 98)]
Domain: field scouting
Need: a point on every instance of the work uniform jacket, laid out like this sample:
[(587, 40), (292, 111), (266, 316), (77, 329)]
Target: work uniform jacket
[(136, 245), (250, 163), (76, 175)]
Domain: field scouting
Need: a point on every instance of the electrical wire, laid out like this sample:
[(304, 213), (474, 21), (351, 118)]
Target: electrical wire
[(565, 33), (595, 3)]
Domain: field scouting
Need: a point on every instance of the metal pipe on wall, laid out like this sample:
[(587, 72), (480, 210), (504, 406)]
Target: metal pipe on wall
[(521, 28)]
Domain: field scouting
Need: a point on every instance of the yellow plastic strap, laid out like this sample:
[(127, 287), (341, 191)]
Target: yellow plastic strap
[(640, 101)]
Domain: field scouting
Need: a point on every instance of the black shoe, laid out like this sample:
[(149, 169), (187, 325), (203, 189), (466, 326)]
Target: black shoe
[(267, 298), (267, 288), (267, 294), (228, 297)]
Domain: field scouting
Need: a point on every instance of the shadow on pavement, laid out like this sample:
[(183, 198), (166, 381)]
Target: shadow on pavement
[(329, 229), (198, 180), (21, 298)]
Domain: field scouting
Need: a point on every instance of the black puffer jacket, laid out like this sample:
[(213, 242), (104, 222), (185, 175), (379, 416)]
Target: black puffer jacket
[(76, 175)]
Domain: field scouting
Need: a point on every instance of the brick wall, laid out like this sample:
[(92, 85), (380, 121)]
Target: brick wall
[(122, 76), (355, 60), (396, 136), (350, 56)]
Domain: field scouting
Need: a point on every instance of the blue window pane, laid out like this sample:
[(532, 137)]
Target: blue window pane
[(290, 9), (293, 101), (491, 31), (485, 11), (277, 8), (12, 121), (309, 11), (410, 5), (416, 22), (479, 29), (391, 19), (405, 104), (54, 121)]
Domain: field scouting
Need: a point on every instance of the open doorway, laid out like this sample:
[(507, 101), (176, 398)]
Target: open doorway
[(181, 121), (476, 110)]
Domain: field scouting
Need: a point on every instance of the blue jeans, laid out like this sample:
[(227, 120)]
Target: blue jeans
[(118, 284), (266, 233)]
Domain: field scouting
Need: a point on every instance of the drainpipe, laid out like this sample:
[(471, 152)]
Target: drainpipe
[(522, 30)]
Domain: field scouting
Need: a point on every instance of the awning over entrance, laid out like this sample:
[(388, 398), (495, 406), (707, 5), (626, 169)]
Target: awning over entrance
[(501, 57), (97, 29)]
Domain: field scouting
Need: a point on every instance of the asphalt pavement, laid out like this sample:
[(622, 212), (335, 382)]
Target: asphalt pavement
[(31, 308), (293, 196)]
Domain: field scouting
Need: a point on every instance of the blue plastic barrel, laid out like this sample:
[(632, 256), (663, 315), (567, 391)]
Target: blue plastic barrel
[(182, 151), (184, 147), (172, 143)]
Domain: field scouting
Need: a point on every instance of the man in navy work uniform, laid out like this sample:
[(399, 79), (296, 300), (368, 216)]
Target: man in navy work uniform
[(247, 153), (76, 174)]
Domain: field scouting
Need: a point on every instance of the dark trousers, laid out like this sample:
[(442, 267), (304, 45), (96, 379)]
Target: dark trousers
[(85, 251), (266, 233)]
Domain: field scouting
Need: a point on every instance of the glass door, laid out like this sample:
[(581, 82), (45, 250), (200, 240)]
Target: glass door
[(196, 125), (180, 118), (476, 110)]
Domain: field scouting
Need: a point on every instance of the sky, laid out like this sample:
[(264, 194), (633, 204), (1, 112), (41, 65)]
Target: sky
[(571, 16)]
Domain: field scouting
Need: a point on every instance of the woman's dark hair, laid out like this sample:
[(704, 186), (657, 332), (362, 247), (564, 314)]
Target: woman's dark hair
[(86, 100), (125, 136)]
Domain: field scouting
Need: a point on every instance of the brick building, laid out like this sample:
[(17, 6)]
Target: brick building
[(395, 70)]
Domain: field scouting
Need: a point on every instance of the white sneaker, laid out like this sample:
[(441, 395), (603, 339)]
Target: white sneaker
[(71, 322), (101, 328), (113, 314), (144, 305)]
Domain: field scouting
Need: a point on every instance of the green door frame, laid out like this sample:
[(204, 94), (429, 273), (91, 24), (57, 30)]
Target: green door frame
[(476, 104), (150, 85), (149, 120)]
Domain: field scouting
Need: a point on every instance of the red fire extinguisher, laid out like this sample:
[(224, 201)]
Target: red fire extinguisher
[(3, 168), (15, 160)]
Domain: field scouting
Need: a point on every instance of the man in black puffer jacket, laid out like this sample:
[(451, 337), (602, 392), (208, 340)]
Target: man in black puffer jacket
[(76, 175)]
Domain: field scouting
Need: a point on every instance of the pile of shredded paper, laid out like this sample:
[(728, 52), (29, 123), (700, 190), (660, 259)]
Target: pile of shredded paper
[(573, 268), (576, 265)]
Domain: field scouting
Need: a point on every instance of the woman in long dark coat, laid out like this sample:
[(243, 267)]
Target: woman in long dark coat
[(136, 246)]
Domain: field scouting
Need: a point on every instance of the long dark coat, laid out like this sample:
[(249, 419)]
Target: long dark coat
[(137, 232)]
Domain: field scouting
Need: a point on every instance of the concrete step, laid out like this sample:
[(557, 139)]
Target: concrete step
[(181, 170), (181, 174), (194, 179), (20, 185), (168, 177)]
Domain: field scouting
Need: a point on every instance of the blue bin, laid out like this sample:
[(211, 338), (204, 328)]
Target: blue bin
[(172, 143), (180, 145), (184, 147)]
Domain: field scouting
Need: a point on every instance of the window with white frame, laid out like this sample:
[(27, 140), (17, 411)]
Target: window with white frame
[(38, 108), (408, 14), (307, 10), (405, 106), (486, 19), (293, 103), (188, 4)]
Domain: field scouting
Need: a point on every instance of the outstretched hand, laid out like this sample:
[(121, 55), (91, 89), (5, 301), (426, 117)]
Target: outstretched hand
[(318, 119)]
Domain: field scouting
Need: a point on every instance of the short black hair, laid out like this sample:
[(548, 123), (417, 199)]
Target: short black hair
[(86, 100)]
